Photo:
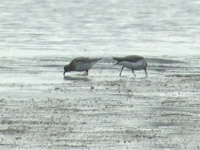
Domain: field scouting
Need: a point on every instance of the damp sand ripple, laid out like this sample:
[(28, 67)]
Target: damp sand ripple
[(102, 110)]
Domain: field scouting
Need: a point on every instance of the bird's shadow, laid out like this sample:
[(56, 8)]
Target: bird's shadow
[(77, 78), (139, 78)]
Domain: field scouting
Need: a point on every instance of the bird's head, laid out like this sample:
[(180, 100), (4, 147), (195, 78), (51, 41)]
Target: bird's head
[(66, 69)]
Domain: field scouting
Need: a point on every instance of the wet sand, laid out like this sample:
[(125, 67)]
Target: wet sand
[(42, 110)]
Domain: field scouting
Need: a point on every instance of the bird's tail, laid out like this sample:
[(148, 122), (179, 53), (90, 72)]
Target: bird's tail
[(98, 59)]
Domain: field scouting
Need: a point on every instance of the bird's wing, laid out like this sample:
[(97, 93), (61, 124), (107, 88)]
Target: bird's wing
[(131, 58)]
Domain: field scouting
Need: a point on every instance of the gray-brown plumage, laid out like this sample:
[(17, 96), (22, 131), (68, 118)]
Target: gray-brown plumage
[(133, 62), (80, 64)]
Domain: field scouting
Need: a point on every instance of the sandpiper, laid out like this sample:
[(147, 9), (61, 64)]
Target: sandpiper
[(80, 64), (133, 62)]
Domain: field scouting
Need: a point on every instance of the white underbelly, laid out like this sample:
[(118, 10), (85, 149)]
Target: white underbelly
[(83, 66), (133, 65)]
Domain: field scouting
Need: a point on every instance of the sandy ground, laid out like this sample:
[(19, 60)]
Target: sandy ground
[(42, 110)]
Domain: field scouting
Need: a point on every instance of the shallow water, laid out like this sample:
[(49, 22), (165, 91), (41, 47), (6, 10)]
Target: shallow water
[(41, 109)]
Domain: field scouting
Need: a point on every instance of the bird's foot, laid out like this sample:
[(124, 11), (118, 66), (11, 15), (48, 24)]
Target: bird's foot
[(85, 73)]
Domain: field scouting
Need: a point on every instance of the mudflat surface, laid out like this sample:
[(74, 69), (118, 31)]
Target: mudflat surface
[(41, 110)]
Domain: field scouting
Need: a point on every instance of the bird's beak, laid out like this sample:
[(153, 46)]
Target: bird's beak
[(115, 63), (64, 73)]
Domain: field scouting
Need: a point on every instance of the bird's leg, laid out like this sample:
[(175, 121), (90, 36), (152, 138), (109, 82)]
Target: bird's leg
[(85, 73), (145, 70), (133, 72), (121, 71)]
